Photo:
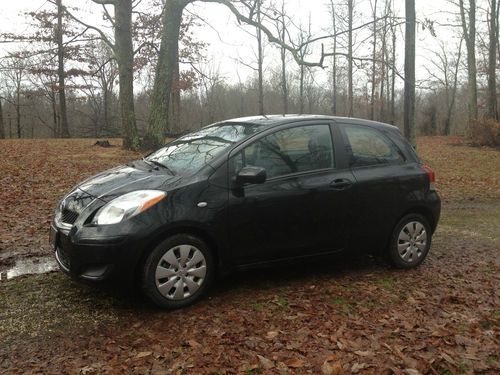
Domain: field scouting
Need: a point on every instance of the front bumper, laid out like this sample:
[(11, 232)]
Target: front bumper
[(104, 259)]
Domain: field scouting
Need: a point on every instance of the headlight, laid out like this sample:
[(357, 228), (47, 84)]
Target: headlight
[(127, 205)]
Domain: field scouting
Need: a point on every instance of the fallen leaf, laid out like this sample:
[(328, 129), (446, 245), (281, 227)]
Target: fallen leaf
[(143, 354), (294, 363), (265, 362), (332, 368), (411, 371), (271, 335), (193, 343)]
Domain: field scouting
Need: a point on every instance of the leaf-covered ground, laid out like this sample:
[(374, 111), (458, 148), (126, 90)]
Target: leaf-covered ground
[(347, 315)]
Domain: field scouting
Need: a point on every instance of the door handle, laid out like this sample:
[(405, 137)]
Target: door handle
[(341, 184)]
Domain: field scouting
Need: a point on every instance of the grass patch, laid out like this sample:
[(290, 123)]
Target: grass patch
[(49, 303), (479, 220), (386, 282)]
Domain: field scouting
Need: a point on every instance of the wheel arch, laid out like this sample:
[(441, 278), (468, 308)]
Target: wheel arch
[(421, 210)]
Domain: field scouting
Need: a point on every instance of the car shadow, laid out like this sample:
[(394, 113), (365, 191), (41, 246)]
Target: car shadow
[(336, 266)]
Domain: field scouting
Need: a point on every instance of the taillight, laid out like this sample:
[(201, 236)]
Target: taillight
[(432, 176)]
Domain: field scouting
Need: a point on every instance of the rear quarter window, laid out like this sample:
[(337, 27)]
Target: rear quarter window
[(369, 146)]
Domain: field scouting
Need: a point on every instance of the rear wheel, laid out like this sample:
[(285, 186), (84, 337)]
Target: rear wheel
[(410, 241), (178, 271)]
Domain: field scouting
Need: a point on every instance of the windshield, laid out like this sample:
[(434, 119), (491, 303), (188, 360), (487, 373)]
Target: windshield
[(191, 152)]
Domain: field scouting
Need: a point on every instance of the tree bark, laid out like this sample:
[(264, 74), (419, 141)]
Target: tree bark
[(124, 54), (334, 62), (492, 57), (175, 97), (158, 115), (18, 110), (260, 57), (284, 84), (350, 92), (374, 63), (60, 72), (409, 87), (301, 89), (393, 75), (447, 124), (469, 32), (2, 131)]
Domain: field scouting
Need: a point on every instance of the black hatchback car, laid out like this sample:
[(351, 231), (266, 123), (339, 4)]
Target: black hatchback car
[(246, 192)]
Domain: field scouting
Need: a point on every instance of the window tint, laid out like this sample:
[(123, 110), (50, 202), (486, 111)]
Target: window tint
[(298, 149), (370, 147)]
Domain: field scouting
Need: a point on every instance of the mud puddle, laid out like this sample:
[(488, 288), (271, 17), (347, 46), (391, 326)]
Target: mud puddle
[(29, 266)]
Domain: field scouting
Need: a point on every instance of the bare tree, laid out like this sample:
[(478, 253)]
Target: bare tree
[(469, 33), (334, 57), (393, 75), (14, 68), (350, 90), (409, 87), (281, 24), (374, 59), (444, 70), (60, 71), (492, 60), (2, 130), (123, 51)]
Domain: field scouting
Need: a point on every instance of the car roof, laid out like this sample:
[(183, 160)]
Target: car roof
[(274, 120)]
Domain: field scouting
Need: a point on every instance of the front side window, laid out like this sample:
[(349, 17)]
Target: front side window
[(298, 149), (370, 147)]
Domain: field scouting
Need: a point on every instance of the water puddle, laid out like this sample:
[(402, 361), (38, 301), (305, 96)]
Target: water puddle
[(29, 266)]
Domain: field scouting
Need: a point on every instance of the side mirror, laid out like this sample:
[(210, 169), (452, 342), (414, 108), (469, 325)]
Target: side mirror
[(251, 175)]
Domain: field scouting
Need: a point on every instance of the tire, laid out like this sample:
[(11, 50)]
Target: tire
[(410, 241), (178, 271)]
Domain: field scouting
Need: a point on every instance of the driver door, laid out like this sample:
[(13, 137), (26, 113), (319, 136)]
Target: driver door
[(298, 211)]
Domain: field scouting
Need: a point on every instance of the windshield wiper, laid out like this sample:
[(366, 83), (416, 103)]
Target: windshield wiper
[(158, 164), (207, 137)]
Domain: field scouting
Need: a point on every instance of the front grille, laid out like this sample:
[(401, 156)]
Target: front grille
[(69, 216), (63, 258)]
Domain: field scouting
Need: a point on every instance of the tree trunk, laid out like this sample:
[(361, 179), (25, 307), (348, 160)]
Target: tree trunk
[(158, 115), (469, 32), (334, 62), (350, 93), (301, 89), (53, 104), (124, 54), (2, 131), (260, 56), (447, 124), (9, 119), (284, 84), (393, 76), (374, 64), (175, 97), (18, 112), (492, 56), (60, 72), (409, 87)]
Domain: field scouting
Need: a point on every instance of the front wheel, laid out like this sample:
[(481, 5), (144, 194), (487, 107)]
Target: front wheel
[(178, 271), (410, 241)]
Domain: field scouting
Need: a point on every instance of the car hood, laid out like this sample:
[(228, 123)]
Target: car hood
[(109, 184)]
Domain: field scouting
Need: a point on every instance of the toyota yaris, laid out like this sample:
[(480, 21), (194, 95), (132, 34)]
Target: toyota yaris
[(243, 193)]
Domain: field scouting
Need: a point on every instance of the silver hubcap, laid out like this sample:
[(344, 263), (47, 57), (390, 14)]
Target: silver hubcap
[(412, 241), (180, 272)]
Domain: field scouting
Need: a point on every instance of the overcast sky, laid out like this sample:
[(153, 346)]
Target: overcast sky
[(227, 43)]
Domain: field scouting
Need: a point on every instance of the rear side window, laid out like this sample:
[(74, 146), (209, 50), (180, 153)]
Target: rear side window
[(370, 147), (298, 149)]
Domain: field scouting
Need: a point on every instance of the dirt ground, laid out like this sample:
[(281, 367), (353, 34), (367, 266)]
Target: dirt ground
[(344, 315)]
